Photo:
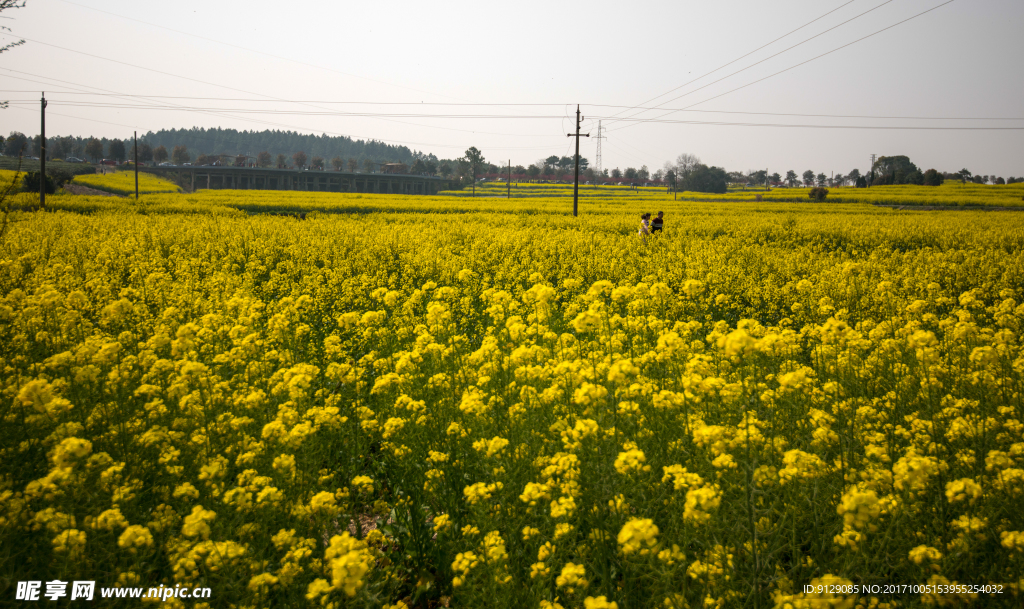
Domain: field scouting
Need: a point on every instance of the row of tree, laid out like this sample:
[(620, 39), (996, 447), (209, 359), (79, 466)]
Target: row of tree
[(214, 143), (887, 170)]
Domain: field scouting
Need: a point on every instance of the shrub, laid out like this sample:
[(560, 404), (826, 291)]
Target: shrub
[(55, 179), (818, 194), (933, 178), (706, 179)]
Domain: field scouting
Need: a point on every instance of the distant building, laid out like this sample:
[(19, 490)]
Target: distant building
[(394, 168)]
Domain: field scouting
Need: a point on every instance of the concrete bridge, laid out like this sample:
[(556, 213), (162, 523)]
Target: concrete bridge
[(252, 178)]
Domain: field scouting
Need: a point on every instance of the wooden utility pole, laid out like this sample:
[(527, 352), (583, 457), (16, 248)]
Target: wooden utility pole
[(509, 178), (135, 136), (42, 152), (576, 184)]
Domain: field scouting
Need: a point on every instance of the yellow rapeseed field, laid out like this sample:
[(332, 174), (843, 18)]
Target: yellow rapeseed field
[(123, 182), (430, 401), (951, 193)]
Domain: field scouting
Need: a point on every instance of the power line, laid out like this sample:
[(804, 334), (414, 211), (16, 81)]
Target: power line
[(380, 103), (508, 117), (810, 60), (870, 116), (86, 104), (75, 117), (249, 50), (298, 101), (756, 50), (797, 126), (269, 97), (264, 122)]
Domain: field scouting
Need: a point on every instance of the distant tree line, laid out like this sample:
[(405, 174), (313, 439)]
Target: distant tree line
[(225, 146), (288, 149)]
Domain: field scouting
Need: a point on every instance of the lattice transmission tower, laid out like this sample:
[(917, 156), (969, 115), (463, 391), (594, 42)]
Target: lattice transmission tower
[(600, 136)]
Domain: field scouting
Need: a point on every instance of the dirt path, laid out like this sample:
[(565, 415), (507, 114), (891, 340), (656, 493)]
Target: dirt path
[(950, 207), (78, 189)]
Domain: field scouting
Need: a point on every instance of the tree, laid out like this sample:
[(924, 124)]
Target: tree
[(706, 179), (145, 152), (914, 177), (759, 177), (658, 175), (353, 165), (821, 179), (1000, 181), (808, 178), (180, 156), (93, 149), (670, 177), (616, 173), (643, 173), (474, 158), (116, 150), (56, 148), (853, 176), (791, 178), (338, 164), (551, 161), (72, 146), (965, 175), (367, 166), (263, 159), (160, 154), (584, 163), (317, 163), (533, 171), (431, 167), (775, 179), (17, 144), (445, 168), (685, 163), (818, 194), (281, 162), (418, 168), (565, 163), (299, 159), (893, 169), (630, 173)]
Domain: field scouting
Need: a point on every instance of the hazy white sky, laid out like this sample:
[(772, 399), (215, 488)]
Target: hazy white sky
[(960, 61)]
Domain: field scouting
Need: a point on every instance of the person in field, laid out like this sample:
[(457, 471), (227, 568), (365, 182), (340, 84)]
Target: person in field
[(645, 226), (658, 224)]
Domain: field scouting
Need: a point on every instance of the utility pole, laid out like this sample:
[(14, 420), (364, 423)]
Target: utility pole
[(871, 171), (766, 188), (135, 136), (576, 184), (42, 152), (509, 179)]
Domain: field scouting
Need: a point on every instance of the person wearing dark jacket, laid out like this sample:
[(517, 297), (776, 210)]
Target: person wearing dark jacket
[(658, 223)]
